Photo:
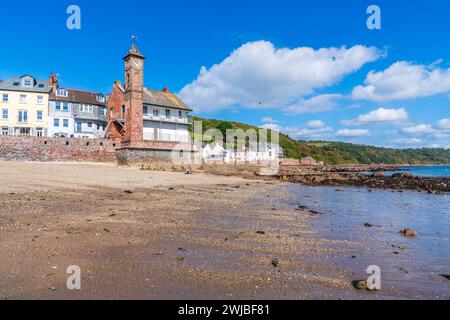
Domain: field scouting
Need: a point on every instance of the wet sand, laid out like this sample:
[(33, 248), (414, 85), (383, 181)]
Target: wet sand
[(158, 235)]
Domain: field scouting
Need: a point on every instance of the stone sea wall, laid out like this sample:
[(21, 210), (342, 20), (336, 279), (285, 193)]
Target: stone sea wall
[(56, 149)]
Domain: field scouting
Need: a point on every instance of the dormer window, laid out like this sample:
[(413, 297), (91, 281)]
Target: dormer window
[(100, 98), (62, 93), (27, 83)]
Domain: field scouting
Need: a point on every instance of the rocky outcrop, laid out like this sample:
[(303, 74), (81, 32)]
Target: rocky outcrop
[(375, 181)]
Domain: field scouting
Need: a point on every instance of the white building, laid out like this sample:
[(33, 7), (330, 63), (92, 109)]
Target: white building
[(76, 113), (265, 153)]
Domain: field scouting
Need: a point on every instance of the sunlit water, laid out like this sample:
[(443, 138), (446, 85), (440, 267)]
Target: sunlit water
[(413, 272)]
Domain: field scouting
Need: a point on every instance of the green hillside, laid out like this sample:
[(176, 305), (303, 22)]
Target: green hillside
[(343, 153)]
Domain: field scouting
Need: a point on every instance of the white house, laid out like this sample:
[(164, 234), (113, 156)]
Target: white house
[(76, 113), (265, 153)]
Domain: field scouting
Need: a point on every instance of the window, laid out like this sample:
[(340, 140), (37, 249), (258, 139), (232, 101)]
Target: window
[(27, 83), (39, 115), (58, 106), (156, 112), (180, 114), (100, 98), (65, 123), (5, 114), (65, 107), (86, 108), (168, 113), (145, 110), (98, 127), (23, 98), (39, 132), (56, 123), (40, 99), (79, 127), (5, 131), (5, 97), (62, 93), (123, 112), (22, 116), (89, 124)]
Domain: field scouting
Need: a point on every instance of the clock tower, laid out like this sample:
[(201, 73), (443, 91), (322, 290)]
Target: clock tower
[(134, 90)]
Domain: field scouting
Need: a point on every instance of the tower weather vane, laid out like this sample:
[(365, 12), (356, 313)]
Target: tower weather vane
[(133, 38)]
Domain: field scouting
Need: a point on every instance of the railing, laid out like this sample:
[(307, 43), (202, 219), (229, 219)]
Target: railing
[(171, 119), (166, 137), (95, 114)]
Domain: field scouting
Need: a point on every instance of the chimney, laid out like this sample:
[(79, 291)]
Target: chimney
[(53, 80), (166, 90)]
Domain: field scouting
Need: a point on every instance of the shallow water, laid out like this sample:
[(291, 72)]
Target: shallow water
[(411, 268), (428, 171)]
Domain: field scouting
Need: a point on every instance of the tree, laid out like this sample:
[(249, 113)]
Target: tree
[(223, 127)]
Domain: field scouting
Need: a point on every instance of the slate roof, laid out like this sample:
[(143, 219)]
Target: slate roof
[(78, 96), (161, 99), (14, 84), (164, 99)]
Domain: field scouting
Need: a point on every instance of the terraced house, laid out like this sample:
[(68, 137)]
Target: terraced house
[(76, 113), (24, 106)]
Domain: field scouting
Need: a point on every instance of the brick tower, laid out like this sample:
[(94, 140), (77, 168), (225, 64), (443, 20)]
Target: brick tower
[(134, 87)]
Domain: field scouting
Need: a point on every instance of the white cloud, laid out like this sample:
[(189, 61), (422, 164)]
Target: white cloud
[(268, 120), (259, 75), (407, 141), (420, 129), (349, 133), (272, 126), (315, 129), (380, 115), (316, 124), (428, 130), (320, 103), (404, 80), (444, 124)]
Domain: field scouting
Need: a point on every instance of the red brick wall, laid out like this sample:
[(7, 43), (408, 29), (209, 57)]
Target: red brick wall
[(115, 103), (56, 149)]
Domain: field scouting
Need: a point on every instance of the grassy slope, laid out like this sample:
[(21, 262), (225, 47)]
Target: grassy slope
[(347, 153)]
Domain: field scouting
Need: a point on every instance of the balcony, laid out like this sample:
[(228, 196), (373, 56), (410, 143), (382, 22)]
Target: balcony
[(95, 113), (170, 119)]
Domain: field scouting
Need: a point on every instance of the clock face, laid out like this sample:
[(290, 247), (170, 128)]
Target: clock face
[(137, 64)]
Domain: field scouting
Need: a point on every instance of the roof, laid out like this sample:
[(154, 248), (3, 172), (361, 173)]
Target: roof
[(160, 98), (164, 99), (134, 51), (15, 84), (78, 96)]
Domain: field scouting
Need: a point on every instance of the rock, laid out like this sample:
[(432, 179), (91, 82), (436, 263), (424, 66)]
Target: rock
[(446, 276), (128, 191), (179, 259), (261, 232), (409, 233), (275, 262), (368, 225), (360, 284), (378, 174), (315, 212), (402, 175)]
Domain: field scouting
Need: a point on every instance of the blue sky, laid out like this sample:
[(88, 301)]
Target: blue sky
[(299, 66)]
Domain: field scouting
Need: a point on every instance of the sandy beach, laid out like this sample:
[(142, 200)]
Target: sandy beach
[(160, 235)]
